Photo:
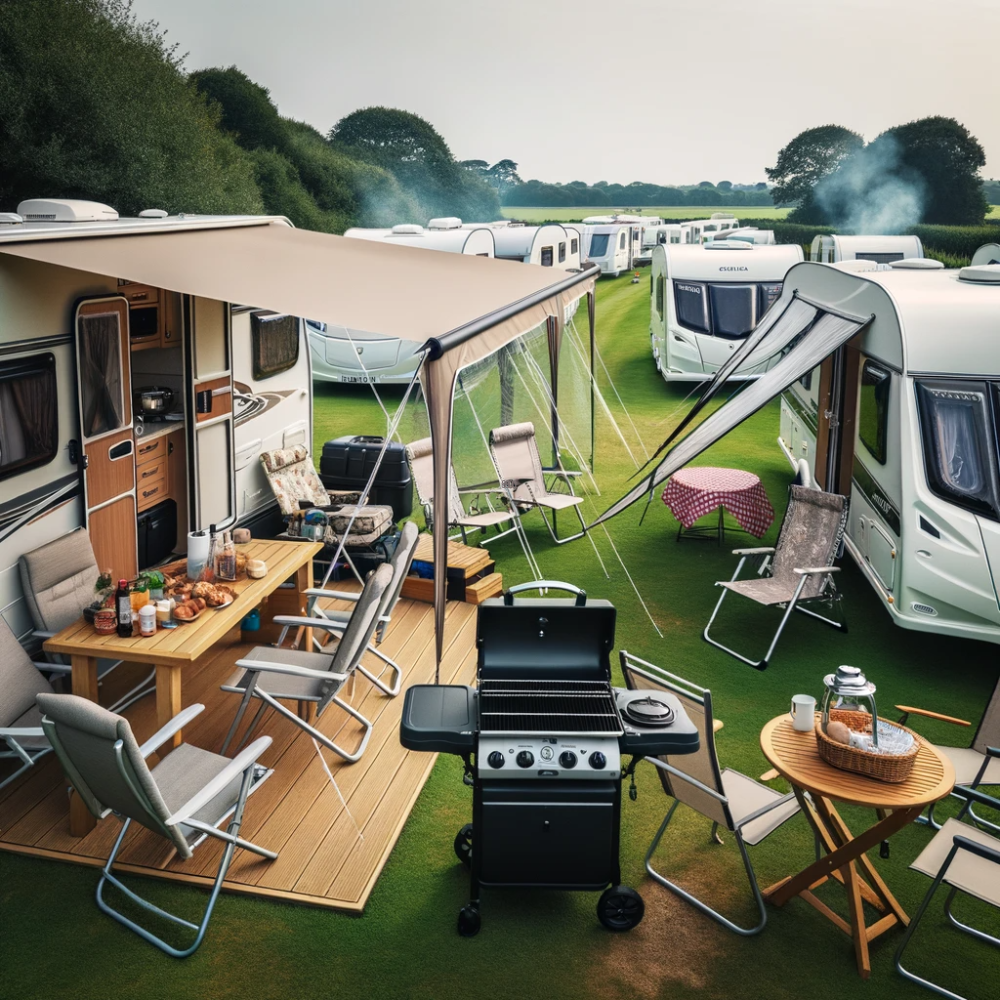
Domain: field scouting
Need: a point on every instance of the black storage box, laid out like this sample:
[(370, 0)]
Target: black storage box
[(347, 463), (157, 531)]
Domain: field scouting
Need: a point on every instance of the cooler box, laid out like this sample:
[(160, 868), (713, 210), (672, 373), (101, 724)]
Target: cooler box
[(347, 463)]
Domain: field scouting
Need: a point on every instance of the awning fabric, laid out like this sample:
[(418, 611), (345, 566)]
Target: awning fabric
[(820, 334), (462, 307)]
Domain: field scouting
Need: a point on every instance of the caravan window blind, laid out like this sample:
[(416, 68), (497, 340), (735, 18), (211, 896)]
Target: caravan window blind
[(274, 344), (692, 305), (733, 309), (29, 426), (101, 383), (599, 244)]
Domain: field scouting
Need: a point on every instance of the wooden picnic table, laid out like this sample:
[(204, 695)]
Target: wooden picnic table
[(170, 649), (795, 756)]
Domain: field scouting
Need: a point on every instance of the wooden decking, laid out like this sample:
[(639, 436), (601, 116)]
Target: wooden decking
[(322, 860)]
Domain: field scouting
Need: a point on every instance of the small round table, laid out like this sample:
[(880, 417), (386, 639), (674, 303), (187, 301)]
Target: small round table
[(694, 492), (795, 756)]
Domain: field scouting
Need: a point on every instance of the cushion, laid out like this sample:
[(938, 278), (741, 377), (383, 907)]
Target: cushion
[(58, 580), (293, 478), (20, 680)]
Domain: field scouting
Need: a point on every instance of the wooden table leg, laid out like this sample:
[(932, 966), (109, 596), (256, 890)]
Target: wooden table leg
[(303, 582), (168, 701), (84, 678)]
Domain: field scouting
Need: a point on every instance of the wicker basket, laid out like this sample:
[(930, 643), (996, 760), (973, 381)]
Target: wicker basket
[(881, 767)]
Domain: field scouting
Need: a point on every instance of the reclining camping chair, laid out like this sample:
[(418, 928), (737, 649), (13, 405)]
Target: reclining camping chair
[(974, 765), (515, 455), (967, 860), (274, 675), (296, 486), (185, 798), (402, 559), (801, 564), (20, 721), (58, 580), (749, 810)]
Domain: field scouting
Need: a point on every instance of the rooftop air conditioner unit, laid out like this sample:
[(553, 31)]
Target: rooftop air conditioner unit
[(65, 210), (447, 222), (407, 229)]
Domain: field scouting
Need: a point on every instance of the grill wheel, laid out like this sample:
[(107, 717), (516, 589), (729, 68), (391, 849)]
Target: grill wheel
[(463, 845), (620, 908)]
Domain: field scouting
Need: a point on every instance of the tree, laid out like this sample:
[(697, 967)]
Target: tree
[(478, 167), (947, 159), (246, 108), (725, 185), (808, 158), (503, 176)]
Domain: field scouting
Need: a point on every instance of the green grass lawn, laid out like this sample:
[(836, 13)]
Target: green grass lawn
[(55, 943), (994, 212), (682, 212)]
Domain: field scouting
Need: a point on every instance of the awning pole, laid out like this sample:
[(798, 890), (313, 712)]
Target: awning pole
[(591, 309)]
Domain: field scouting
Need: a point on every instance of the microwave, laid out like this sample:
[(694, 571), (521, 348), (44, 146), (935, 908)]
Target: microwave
[(143, 312)]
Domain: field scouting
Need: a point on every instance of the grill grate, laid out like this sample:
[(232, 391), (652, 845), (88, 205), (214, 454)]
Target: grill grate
[(547, 706)]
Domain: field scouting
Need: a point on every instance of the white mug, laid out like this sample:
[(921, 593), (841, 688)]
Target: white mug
[(803, 712)]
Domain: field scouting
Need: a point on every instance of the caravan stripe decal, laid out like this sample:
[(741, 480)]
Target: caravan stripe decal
[(876, 496)]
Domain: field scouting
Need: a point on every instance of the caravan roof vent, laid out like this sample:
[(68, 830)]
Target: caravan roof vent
[(10, 219), (60, 210), (916, 264), (728, 245), (447, 222), (153, 213), (988, 274), (723, 215), (407, 229)]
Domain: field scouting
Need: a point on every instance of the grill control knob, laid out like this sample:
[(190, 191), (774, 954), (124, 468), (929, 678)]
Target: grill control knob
[(568, 759), (495, 759), (598, 761), (525, 758)]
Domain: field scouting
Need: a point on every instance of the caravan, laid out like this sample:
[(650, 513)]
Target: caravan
[(609, 247), (704, 300), (548, 245), (879, 249), (131, 409), (906, 419)]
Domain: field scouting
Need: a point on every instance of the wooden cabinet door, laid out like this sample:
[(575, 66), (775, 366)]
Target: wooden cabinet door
[(107, 449)]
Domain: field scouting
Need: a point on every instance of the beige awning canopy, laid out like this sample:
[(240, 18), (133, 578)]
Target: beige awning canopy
[(368, 287)]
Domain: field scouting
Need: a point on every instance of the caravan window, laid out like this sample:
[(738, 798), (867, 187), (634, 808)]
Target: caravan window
[(599, 244), (574, 246), (873, 410), (660, 287), (733, 309), (546, 256), (562, 252), (692, 305), (29, 427), (274, 344), (959, 443), (879, 258), (102, 401), (770, 292), (621, 242)]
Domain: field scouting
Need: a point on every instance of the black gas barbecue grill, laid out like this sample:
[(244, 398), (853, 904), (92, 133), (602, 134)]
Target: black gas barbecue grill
[(542, 736)]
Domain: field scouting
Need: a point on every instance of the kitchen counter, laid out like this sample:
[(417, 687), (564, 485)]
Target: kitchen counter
[(158, 428)]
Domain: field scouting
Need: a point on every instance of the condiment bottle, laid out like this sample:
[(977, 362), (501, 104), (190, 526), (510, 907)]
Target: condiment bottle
[(147, 620), (123, 607), (225, 558)]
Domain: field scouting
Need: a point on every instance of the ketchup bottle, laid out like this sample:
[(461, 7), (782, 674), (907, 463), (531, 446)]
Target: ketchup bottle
[(123, 607)]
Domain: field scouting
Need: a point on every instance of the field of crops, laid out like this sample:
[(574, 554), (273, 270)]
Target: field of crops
[(681, 212), (994, 212)]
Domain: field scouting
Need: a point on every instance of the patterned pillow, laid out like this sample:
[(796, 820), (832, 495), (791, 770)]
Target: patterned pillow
[(293, 478)]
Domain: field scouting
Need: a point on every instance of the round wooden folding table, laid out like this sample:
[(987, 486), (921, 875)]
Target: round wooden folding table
[(795, 756)]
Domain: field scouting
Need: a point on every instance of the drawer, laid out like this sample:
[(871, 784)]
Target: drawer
[(150, 492), (148, 472), (150, 451), (139, 294)]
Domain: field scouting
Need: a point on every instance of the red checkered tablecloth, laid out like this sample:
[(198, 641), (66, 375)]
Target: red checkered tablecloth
[(693, 493)]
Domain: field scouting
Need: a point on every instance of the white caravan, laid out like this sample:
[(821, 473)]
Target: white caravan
[(547, 245), (880, 249), (609, 247), (75, 445), (347, 356), (906, 419), (704, 300), (749, 234), (700, 230), (988, 253)]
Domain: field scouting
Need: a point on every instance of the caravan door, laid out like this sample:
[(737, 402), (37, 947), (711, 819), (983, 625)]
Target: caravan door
[(211, 467), (106, 452)]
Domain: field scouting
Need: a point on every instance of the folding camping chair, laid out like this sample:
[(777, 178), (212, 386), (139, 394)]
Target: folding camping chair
[(58, 580), (801, 565), (967, 860), (749, 810), (515, 455), (274, 675), (185, 798)]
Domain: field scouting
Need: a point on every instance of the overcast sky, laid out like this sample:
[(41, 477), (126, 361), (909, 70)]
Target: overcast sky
[(668, 91)]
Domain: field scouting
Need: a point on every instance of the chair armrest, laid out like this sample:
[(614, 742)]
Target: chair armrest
[(291, 669), (910, 710), (53, 668), (817, 569), (983, 851), (975, 795), (205, 795), (177, 723), (15, 731), (765, 551), (42, 634), (339, 595), (565, 473), (323, 623)]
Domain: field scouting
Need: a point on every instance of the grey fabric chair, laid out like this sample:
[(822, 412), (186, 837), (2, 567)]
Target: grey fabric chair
[(274, 675), (58, 582), (515, 455), (402, 559), (967, 860), (20, 721), (749, 810), (974, 765), (185, 798), (801, 565)]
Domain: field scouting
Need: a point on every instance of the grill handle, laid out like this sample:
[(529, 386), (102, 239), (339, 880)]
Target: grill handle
[(581, 595)]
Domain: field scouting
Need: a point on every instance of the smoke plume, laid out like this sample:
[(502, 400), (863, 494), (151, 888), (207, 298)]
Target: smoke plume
[(873, 192)]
